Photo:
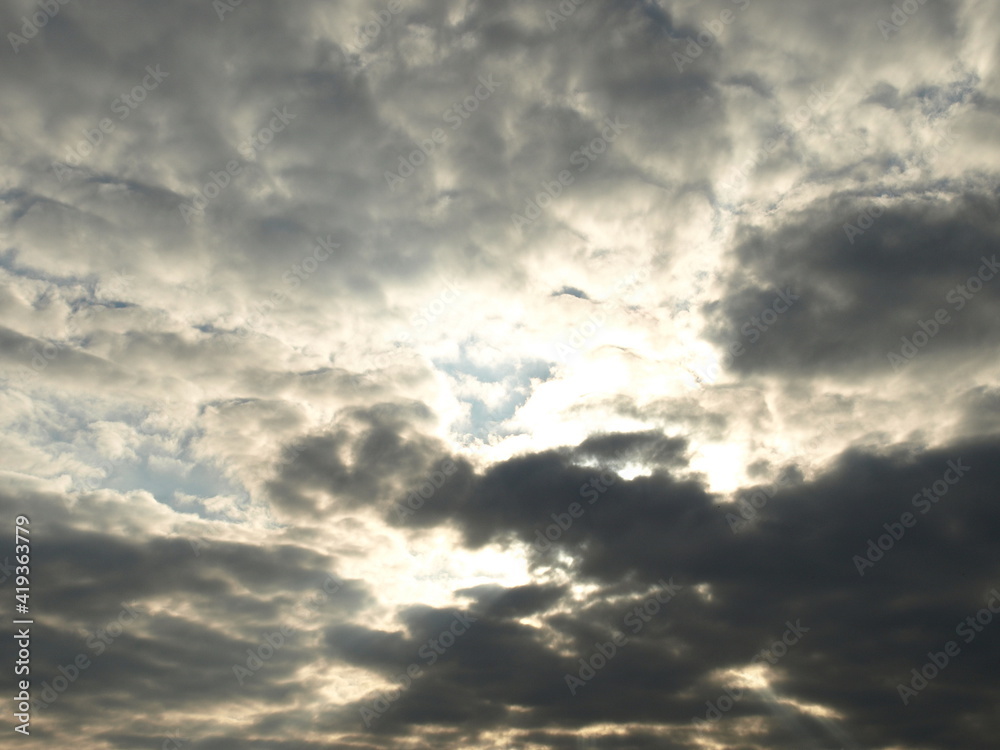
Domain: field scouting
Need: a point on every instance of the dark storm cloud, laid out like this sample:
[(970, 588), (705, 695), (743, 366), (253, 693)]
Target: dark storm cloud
[(739, 592), (860, 295), (518, 602), (648, 448), (191, 609), (368, 454), (801, 555), (796, 565), (527, 490)]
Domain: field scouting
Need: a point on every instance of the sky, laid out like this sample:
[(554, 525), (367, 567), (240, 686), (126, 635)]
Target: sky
[(457, 374)]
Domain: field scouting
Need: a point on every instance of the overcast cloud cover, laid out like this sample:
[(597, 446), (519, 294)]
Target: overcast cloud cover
[(502, 374)]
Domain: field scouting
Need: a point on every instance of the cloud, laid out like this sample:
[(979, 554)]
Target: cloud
[(672, 292)]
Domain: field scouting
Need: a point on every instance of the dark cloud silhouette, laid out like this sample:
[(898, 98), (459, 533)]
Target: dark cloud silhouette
[(863, 296)]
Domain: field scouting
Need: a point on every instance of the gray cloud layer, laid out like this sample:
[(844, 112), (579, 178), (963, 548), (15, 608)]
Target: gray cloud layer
[(326, 326)]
